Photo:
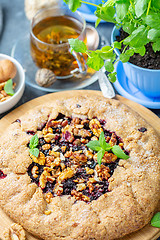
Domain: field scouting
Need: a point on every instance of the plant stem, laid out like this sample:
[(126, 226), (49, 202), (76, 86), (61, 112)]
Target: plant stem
[(130, 15), (109, 2), (124, 49), (91, 4), (132, 3), (117, 60), (149, 5)]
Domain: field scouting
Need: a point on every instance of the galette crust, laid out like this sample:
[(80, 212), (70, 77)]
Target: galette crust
[(15, 231), (134, 188)]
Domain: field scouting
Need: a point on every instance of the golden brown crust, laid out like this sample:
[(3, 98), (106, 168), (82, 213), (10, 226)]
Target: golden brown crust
[(134, 185), (14, 232)]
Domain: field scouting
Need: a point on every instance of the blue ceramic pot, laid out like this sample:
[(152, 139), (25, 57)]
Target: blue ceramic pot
[(146, 80)]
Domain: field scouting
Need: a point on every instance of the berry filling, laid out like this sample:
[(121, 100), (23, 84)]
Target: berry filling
[(142, 129), (66, 166), (2, 175)]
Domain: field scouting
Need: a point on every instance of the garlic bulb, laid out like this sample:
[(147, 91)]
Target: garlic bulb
[(32, 6)]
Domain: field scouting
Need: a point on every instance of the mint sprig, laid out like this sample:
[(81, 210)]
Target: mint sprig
[(119, 152), (8, 88), (33, 144), (100, 155), (140, 19), (101, 146), (155, 222)]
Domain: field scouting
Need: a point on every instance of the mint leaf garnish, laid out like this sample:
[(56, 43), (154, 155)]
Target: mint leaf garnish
[(94, 145), (155, 222), (102, 142), (34, 141), (100, 155), (33, 144), (34, 151), (8, 88), (119, 152), (102, 146)]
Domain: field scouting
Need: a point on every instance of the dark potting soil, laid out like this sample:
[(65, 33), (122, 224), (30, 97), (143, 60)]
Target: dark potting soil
[(150, 60)]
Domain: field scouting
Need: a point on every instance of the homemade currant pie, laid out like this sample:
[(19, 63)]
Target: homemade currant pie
[(83, 168)]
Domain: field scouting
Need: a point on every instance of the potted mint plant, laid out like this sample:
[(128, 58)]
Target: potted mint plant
[(137, 46)]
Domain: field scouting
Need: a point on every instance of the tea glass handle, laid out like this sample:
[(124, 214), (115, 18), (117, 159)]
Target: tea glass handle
[(82, 66)]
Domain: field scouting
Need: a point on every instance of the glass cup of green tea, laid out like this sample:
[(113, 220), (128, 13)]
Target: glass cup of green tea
[(50, 30)]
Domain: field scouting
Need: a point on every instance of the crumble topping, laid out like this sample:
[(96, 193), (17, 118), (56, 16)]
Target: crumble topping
[(66, 166)]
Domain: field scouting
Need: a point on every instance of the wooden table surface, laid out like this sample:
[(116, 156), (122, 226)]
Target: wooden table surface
[(148, 232)]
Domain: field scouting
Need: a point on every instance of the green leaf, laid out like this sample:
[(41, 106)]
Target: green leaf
[(107, 147), (77, 45), (116, 45), (102, 142), (156, 4), (112, 77), (155, 221), (121, 9), (128, 27), (129, 52), (109, 66), (106, 13), (34, 141), (152, 20), (153, 34), (97, 22), (34, 152), (102, 139), (113, 57), (141, 7), (140, 50), (138, 37), (156, 45), (8, 88), (132, 9), (94, 145), (124, 57), (95, 61), (73, 4), (106, 49), (107, 53), (100, 155), (119, 152)]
